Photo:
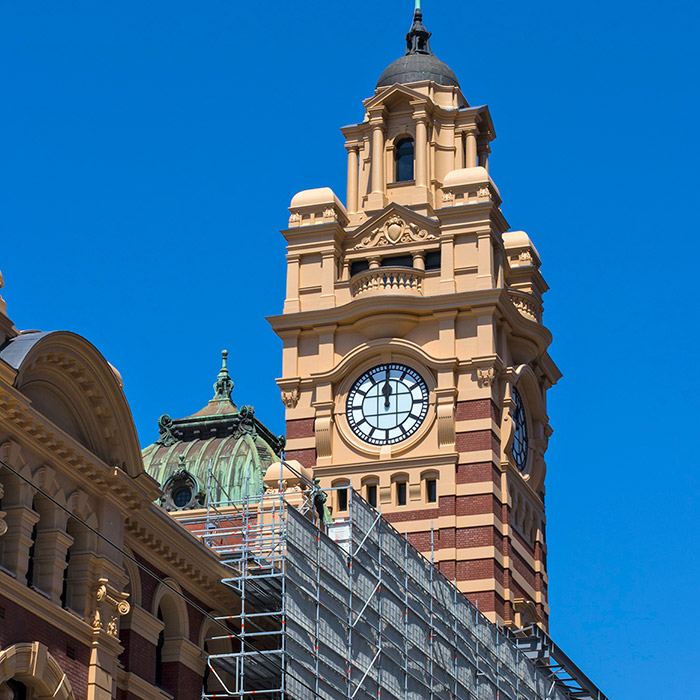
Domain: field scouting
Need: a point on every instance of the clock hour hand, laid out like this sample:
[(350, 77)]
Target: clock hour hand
[(386, 390)]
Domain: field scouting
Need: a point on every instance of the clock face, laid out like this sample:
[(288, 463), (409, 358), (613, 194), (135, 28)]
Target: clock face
[(387, 404), (519, 432)]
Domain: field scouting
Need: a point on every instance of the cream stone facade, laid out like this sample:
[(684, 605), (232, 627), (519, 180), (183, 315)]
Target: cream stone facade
[(79, 617), (422, 271)]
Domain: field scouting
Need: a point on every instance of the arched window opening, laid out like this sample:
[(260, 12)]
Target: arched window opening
[(431, 490), (31, 569), (403, 160), (207, 671), (159, 652), (14, 690), (372, 494), (340, 497)]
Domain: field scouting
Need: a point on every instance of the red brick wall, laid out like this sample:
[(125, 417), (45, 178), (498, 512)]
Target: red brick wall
[(477, 440), (149, 584), (303, 428), (408, 515), (478, 473), (21, 625), (139, 655), (477, 408), (306, 457), (479, 504), (181, 682)]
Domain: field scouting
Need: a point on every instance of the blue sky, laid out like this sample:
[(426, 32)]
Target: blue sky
[(137, 209)]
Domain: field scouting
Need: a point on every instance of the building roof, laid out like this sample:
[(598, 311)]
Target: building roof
[(419, 62), (237, 445)]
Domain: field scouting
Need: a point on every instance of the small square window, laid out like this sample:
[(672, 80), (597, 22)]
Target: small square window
[(431, 490), (372, 495), (400, 493)]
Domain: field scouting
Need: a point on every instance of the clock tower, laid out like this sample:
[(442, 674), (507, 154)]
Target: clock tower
[(415, 363)]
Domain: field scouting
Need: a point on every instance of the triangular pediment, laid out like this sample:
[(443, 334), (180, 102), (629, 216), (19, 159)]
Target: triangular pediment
[(395, 226), (396, 93)]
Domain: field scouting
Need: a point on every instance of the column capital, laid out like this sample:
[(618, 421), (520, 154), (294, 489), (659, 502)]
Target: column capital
[(352, 147), (420, 114)]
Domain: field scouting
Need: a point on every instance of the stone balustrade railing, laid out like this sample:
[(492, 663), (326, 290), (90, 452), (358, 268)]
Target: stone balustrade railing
[(388, 280)]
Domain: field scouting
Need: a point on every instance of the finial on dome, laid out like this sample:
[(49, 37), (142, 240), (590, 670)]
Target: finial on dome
[(417, 40), (224, 384)]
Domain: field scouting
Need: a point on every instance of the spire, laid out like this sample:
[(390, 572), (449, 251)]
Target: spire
[(224, 384), (417, 40)]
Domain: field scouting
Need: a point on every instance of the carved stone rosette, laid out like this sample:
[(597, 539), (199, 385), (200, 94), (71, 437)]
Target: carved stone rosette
[(111, 604)]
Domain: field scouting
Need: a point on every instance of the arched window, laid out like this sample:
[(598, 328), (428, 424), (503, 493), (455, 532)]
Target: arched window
[(403, 159), (159, 652)]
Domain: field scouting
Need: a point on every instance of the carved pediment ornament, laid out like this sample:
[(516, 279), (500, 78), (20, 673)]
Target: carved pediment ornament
[(395, 230)]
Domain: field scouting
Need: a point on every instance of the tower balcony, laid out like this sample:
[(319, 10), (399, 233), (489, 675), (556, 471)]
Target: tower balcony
[(388, 280)]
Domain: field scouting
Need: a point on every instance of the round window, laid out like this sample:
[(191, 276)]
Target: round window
[(182, 497)]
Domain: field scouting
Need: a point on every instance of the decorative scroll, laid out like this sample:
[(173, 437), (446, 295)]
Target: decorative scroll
[(110, 605), (165, 425), (395, 231)]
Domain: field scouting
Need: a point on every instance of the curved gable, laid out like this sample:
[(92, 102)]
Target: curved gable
[(69, 382)]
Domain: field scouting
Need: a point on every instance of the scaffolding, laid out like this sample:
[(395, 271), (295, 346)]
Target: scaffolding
[(350, 610)]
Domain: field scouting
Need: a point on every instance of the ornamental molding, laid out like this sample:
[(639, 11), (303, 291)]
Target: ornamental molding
[(394, 231), (525, 305), (69, 452), (290, 397), (486, 376), (111, 605), (163, 547), (483, 193)]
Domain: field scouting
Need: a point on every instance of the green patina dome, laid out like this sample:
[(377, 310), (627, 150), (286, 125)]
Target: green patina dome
[(237, 445)]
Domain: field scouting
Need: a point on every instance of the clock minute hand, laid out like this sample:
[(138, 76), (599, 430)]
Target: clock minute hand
[(386, 390)]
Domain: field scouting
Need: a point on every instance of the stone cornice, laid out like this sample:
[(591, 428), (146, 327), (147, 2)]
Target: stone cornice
[(458, 215), (183, 651), (36, 432), (142, 623), (363, 307), (138, 687), (172, 549), (395, 464), (41, 606)]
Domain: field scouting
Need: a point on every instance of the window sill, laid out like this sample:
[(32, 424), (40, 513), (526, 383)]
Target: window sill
[(404, 183)]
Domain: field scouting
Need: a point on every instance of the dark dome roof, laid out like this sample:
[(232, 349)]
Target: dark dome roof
[(419, 62), (418, 66)]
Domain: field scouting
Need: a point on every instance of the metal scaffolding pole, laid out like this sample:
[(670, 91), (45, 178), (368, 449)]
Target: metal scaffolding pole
[(320, 615)]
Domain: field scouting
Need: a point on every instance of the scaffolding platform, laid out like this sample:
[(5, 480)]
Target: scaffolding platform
[(350, 610)]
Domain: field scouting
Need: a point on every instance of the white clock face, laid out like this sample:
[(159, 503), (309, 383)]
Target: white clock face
[(387, 404)]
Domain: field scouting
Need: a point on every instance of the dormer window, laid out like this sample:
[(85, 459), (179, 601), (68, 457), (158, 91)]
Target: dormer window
[(403, 158)]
